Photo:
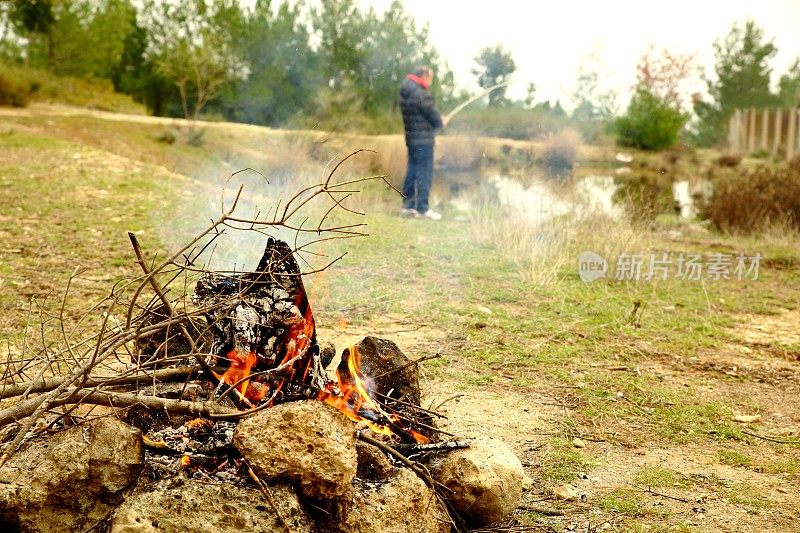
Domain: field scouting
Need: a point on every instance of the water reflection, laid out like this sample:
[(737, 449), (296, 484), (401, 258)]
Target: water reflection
[(537, 197)]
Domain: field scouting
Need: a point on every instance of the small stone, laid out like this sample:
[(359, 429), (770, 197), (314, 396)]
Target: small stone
[(746, 419), (307, 442), (578, 443), (486, 480), (527, 483), (566, 492)]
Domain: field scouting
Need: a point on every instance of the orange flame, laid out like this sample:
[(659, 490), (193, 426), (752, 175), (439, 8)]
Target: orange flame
[(355, 399), (241, 363)]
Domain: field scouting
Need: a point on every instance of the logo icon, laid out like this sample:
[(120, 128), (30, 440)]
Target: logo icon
[(591, 266)]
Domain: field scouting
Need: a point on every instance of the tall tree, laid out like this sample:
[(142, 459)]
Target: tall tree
[(789, 86), (192, 45), (591, 101), (662, 73), (494, 65), (742, 80), (283, 70), (34, 19), (89, 36)]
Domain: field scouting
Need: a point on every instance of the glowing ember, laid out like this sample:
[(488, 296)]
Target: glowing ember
[(355, 402)]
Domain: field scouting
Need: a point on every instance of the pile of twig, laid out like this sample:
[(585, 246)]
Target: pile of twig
[(43, 387)]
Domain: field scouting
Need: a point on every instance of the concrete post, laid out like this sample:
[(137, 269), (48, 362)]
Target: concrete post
[(764, 129), (778, 124)]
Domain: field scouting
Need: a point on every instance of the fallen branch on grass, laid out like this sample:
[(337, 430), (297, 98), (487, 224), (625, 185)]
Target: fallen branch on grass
[(771, 439)]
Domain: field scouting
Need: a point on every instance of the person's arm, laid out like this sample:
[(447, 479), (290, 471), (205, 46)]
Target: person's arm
[(435, 118)]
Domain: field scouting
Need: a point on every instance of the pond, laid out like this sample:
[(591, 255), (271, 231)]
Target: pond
[(541, 198)]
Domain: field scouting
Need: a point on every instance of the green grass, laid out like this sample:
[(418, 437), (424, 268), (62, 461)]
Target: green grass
[(747, 496), (622, 501), (564, 462), (734, 458)]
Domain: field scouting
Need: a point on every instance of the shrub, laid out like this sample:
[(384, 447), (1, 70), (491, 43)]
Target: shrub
[(14, 92), (44, 86), (561, 153), (645, 193), (649, 123), (728, 160), (750, 201)]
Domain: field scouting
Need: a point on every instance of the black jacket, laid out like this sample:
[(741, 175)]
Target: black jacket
[(420, 118)]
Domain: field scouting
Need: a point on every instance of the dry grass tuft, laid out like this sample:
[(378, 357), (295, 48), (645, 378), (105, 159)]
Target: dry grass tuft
[(543, 250)]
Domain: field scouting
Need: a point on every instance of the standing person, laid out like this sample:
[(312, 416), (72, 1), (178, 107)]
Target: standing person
[(420, 119)]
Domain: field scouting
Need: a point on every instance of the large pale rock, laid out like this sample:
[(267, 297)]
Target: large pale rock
[(181, 505), (72, 481), (307, 442), (486, 479), (400, 505)]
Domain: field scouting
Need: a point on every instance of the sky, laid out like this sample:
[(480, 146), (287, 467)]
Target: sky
[(549, 41)]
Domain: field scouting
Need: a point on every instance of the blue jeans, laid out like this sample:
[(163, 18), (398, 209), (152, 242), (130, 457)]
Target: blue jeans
[(417, 185)]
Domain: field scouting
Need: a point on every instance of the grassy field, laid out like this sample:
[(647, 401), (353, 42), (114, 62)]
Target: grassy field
[(627, 390)]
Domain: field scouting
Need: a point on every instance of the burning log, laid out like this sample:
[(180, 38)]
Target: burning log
[(261, 321)]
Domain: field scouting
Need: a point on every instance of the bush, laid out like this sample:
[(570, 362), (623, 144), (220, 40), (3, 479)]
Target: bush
[(14, 92), (561, 153), (44, 86), (750, 201), (649, 123)]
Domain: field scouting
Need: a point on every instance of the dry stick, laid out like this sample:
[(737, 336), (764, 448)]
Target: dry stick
[(168, 306), (35, 407), (449, 398), (268, 495), (48, 384), (417, 469), (117, 399), (771, 439), (388, 398), (432, 447), (541, 509), (38, 406), (654, 493), (410, 363)]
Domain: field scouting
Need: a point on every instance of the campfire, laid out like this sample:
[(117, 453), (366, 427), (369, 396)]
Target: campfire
[(215, 403)]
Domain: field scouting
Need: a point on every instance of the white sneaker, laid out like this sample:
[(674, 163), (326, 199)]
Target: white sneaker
[(408, 212), (433, 215)]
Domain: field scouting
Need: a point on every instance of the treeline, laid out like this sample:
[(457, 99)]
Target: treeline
[(337, 65), (271, 64)]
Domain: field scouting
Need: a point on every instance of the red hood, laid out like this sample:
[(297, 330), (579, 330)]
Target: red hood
[(419, 81)]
